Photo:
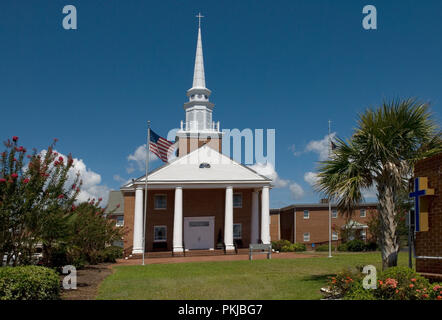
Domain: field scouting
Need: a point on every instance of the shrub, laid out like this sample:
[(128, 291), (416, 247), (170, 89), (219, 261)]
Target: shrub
[(29, 283), (111, 254), (397, 283), (342, 247), (355, 245), (277, 245), (323, 248), (293, 247), (401, 283), (371, 246)]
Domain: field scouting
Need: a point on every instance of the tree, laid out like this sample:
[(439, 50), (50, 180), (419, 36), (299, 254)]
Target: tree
[(381, 153), (35, 201)]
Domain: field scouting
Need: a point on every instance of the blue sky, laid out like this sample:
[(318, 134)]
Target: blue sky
[(287, 65)]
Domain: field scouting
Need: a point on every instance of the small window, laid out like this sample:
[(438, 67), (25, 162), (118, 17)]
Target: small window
[(307, 237), (364, 234), (237, 200), (160, 233), (160, 202), (335, 235), (363, 214), (334, 214), (120, 221), (237, 231), (306, 214)]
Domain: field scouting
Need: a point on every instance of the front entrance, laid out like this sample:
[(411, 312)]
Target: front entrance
[(199, 232)]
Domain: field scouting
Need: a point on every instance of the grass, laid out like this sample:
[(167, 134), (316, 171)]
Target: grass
[(237, 280)]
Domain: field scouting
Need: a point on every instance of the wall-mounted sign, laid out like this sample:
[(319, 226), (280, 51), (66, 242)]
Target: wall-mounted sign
[(421, 203)]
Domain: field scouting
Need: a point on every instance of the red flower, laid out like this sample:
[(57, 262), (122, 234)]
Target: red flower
[(55, 139), (99, 199), (74, 186), (439, 297), (14, 175), (14, 159), (26, 180), (14, 138), (411, 285), (28, 156), (413, 280), (74, 207), (61, 196), (425, 296), (60, 159), (2, 180), (118, 205)]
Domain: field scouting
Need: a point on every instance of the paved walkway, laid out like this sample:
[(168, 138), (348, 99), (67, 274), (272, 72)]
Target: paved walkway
[(233, 257)]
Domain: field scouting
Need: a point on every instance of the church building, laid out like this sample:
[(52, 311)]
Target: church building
[(202, 199)]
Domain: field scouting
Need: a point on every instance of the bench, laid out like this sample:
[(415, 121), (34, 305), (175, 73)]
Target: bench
[(260, 249)]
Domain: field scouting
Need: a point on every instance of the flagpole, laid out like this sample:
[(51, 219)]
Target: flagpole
[(145, 188), (329, 202)]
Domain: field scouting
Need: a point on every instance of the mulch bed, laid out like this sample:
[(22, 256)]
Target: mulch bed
[(88, 280)]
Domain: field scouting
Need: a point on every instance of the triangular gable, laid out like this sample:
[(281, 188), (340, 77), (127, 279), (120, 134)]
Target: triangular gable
[(187, 169)]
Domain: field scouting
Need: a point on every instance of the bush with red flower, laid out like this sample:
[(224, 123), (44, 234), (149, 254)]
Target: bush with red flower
[(397, 283)]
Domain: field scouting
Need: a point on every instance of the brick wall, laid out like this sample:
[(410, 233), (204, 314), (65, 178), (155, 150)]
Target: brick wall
[(430, 243), (129, 208), (317, 224), (196, 203)]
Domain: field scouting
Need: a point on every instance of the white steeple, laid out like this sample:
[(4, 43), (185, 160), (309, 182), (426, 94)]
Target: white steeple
[(199, 108)]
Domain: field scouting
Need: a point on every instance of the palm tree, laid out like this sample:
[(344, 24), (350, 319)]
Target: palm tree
[(381, 154)]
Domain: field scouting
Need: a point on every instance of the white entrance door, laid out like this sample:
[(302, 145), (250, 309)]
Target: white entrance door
[(199, 232)]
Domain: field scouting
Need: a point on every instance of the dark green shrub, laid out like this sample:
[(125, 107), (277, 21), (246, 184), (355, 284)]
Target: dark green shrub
[(29, 283), (355, 245), (371, 246), (343, 247), (277, 245), (323, 248), (293, 247), (111, 254)]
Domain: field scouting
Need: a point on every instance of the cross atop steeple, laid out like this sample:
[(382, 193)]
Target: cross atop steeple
[(199, 16)]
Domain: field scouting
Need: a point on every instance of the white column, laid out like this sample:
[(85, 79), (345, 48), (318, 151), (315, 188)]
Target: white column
[(265, 216), (178, 221), (228, 220), (254, 236), (138, 222)]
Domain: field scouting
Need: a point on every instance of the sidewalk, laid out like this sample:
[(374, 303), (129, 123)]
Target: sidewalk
[(238, 257)]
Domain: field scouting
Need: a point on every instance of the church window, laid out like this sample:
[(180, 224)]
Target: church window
[(306, 214), (160, 233), (237, 200), (160, 201), (307, 237), (362, 213), (237, 231)]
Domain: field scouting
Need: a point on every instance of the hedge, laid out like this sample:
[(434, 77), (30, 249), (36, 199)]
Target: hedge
[(29, 283)]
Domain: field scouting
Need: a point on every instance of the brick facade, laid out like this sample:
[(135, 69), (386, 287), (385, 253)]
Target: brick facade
[(430, 243), (317, 225), (196, 203)]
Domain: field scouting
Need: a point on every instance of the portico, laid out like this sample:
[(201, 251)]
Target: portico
[(233, 197)]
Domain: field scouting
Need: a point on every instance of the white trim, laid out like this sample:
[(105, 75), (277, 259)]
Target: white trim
[(308, 214), (155, 185)]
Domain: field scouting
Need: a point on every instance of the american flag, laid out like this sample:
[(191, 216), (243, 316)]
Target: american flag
[(163, 148)]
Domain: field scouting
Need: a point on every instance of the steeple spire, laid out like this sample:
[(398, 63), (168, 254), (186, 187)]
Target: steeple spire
[(198, 74)]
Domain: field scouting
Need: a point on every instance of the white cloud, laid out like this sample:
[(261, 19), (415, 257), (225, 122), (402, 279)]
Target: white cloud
[(311, 178), (321, 147), (296, 190), (91, 187), (268, 171), (138, 158)]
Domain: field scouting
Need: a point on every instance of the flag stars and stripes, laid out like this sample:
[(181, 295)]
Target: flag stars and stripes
[(161, 147)]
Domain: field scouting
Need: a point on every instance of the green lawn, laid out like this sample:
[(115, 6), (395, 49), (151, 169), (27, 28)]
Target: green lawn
[(236, 280)]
